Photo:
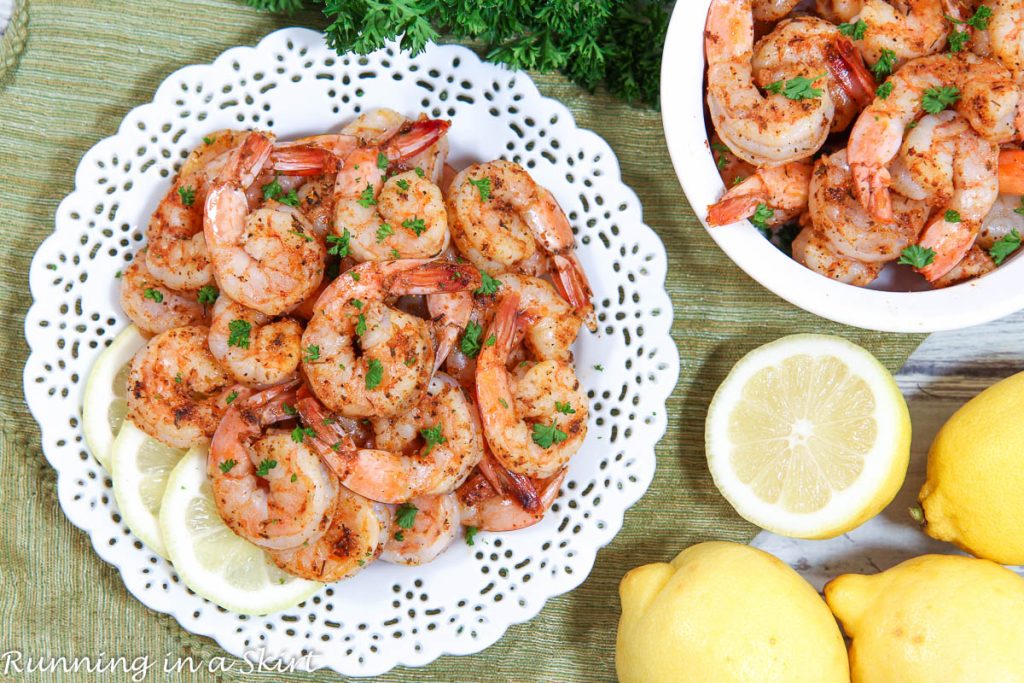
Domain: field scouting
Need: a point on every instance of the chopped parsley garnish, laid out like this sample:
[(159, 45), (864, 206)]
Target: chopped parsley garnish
[(503, 402), (599, 367), (226, 466), (208, 294), (798, 88), (238, 333), (188, 195), (885, 64), (403, 184), (311, 354), (300, 433), (952, 216), (231, 397), (177, 378), (415, 224), (383, 232), (721, 161), (1020, 209), (433, 437), (339, 245), (395, 254), (354, 275), (382, 161), (357, 303), (488, 285), (470, 344), (374, 373), (917, 256), (939, 99), (420, 172), (564, 407), (154, 294), (471, 532), (855, 30), (289, 409), (272, 190), (884, 90), (366, 198), (264, 467), (405, 515), (483, 186), (291, 199), (361, 325), (1005, 246), (762, 214), (547, 435), (209, 140), (301, 234), (958, 40), (491, 341)]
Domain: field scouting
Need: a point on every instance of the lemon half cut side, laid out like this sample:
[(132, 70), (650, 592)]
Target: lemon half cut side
[(105, 402), (808, 436)]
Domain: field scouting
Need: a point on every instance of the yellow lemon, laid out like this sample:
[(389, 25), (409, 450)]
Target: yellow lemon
[(974, 495), (934, 618), (727, 613), (808, 436)]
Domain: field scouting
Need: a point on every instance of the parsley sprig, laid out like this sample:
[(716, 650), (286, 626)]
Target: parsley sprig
[(1005, 246)]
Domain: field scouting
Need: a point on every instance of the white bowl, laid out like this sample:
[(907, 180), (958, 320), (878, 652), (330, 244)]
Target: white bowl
[(996, 295)]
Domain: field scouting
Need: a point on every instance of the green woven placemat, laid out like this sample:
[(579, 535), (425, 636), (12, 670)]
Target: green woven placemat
[(85, 65)]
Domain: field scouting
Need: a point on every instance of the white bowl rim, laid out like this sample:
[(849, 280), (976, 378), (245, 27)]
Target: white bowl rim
[(994, 296)]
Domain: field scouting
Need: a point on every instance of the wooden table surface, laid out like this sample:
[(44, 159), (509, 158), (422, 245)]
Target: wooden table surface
[(946, 371)]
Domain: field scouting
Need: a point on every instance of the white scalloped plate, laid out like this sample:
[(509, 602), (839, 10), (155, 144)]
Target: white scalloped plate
[(294, 84)]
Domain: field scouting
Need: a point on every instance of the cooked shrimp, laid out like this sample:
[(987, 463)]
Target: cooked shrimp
[(1011, 171), (502, 220), (270, 259), (357, 534), (550, 324), (154, 307), (376, 126), (1006, 33), (853, 234), (783, 189), (435, 526), (1001, 221), (838, 11), (177, 254), (487, 509), (400, 217), (451, 314), (374, 360), (987, 99), (430, 450), (536, 419), (255, 349), (732, 169), (908, 28), (958, 172), (975, 264), (811, 43), (269, 489), (817, 253), (766, 131), (773, 10), (176, 388)]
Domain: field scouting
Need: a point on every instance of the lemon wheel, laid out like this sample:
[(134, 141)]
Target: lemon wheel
[(211, 559), (808, 436), (104, 403)]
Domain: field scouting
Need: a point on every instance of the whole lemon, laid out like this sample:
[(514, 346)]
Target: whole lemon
[(727, 613), (934, 618), (974, 495)]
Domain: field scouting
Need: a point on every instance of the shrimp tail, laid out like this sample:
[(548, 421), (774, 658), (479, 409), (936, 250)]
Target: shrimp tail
[(303, 160), (846, 64), (571, 282), (950, 242), (330, 440), (435, 277), (267, 407), (415, 139), (508, 483), (248, 160), (739, 202), (871, 184)]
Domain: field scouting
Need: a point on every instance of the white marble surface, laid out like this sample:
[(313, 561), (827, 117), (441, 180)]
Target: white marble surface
[(945, 372)]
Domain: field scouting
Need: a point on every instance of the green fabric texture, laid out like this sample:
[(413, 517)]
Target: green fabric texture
[(86, 64)]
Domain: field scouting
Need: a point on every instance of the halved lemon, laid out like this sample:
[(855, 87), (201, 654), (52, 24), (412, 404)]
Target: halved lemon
[(808, 436), (214, 562), (140, 467), (104, 403)]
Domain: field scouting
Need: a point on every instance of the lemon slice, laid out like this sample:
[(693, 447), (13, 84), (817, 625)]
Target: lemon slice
[(808, 436), (104, 403), (214, 562), (140, 466)]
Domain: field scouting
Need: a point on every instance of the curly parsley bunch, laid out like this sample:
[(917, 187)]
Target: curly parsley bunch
[(614, 42)]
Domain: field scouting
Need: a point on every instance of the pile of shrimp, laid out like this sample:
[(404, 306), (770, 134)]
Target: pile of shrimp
[(862, 133), (375, 347)]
